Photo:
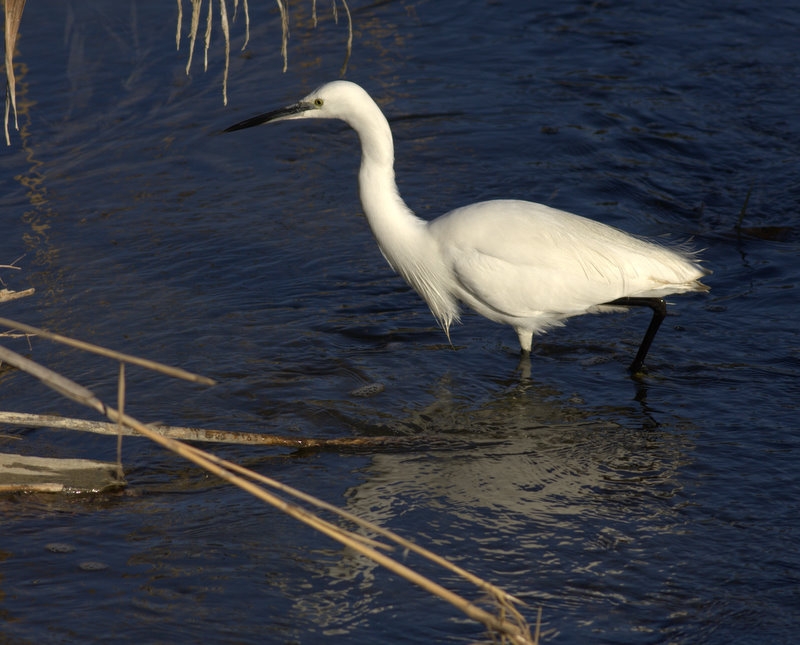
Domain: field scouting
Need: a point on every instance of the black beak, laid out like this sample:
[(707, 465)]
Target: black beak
[(275, 115)]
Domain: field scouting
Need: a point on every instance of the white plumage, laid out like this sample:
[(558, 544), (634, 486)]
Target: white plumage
[(515, 262)]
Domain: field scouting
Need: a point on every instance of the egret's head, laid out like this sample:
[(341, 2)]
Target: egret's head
[(336, 100)]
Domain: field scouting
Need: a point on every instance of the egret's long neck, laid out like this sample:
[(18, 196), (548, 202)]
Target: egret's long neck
[(404, 239), (398, 231)]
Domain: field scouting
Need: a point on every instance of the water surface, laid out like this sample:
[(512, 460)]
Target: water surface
[(651, 511)]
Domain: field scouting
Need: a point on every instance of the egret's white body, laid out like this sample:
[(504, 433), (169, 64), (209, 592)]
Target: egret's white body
[(515, 262)]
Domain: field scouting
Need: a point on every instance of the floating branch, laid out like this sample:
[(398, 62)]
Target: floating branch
[(206, 435), (7, 294), (197, 434), (26, 474)]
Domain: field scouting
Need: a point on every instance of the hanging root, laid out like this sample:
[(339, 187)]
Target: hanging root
[(197, 5)]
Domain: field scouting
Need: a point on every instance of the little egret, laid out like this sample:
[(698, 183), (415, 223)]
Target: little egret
[(515, 262)]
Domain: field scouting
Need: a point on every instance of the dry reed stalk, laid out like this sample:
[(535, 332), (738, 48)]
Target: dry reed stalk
[(208, 435), (204, 435), (6, 294), (180, 23), (225, 25), (349, 31), (246, 9), (175, 372), (13, 17), (208, 33), (510, 630), (283, 9), (121, 408), (502, 597), (196, 4), (226, 33), (246, 24)]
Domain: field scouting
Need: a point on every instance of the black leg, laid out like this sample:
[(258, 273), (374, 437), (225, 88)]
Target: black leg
[(659, 308)]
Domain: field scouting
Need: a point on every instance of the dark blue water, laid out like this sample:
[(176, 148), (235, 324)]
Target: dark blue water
[(659, 511)]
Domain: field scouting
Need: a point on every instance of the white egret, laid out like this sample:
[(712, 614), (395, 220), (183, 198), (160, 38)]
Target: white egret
[(514, 262)]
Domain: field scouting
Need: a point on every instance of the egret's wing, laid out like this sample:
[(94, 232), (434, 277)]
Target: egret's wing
[(522, 259), (528, 290)]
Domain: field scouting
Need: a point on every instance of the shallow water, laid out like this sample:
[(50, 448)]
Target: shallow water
[(652, 511)]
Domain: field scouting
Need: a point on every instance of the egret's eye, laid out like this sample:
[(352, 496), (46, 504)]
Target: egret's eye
[(318, 103)]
